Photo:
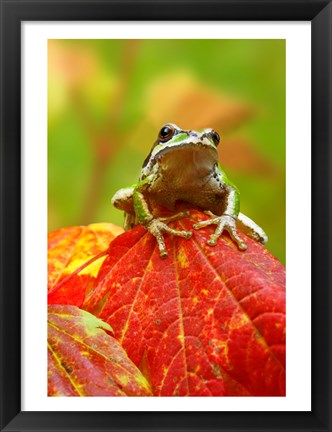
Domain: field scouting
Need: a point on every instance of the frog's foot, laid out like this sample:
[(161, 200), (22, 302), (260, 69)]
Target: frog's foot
[(224, 222), (157, 227)]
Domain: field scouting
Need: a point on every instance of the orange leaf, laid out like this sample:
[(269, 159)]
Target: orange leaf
[(83, 360), (204, 321), (70, 248)]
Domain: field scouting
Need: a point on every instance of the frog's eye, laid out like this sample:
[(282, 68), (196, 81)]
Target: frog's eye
[(215, 137), (166, 133)]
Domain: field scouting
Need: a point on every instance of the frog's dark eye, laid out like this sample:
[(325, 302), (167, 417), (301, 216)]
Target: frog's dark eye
[(166, 133), (215, 137)]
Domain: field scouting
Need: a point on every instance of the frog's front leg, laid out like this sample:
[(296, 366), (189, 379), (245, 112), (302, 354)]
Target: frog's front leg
[(227, 221), (156, 226)]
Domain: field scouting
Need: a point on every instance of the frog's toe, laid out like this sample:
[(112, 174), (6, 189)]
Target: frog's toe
[(240, 244), (202, 224), (184, 234), (163, 253), (212, 241), (161, 244), (187, 234), (235, 237), (209, 213), (175, 217)]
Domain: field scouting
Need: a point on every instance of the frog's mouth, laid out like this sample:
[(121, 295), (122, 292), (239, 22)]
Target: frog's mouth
[(189, 160)]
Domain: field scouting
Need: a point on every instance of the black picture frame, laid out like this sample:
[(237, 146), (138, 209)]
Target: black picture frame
[(13, 12)]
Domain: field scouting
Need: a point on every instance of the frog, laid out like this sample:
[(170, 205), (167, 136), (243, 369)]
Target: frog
[(183, 167)]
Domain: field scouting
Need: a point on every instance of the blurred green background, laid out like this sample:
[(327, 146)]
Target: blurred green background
[(107, 100)]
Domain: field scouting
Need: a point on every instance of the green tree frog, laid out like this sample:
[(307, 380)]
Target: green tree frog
[(182, 166)]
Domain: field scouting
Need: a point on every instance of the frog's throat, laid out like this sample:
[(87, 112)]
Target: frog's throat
[(193, 160)]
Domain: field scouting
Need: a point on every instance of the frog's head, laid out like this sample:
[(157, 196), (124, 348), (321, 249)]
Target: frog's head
[(177, 147)]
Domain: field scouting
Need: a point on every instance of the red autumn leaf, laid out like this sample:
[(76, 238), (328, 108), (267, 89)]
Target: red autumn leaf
[(204, 321), (83, 360), (68, 249)]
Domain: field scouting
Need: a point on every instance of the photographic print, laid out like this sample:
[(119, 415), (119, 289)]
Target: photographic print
[(153, 156), (166, 217)]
